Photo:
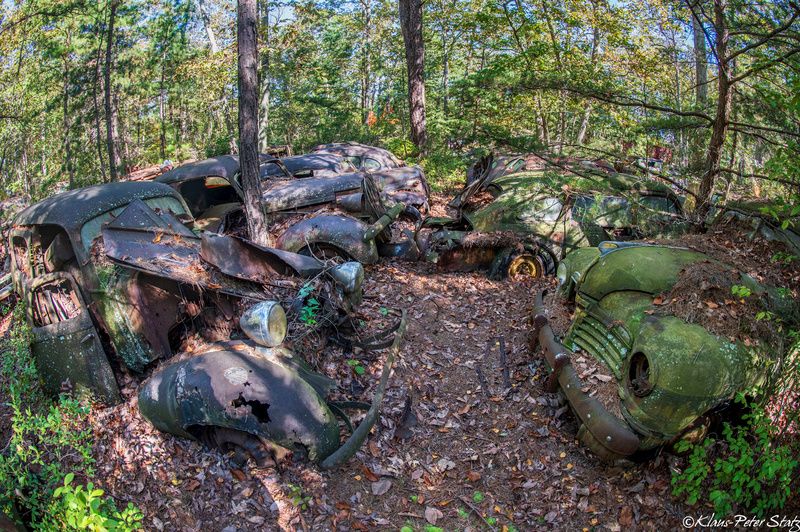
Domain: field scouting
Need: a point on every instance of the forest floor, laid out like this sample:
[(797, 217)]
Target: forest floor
[(501, 459), (468, 456), (471, 461)]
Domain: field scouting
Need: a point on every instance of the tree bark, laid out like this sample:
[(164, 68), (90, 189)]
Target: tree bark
[(263, 119), (366, 6), (587, 112), (113, 161), (247, 46), (700, 90), (162, 112), (722, 117), (97, 128), (67, 124), (203, 8), (411, 25)]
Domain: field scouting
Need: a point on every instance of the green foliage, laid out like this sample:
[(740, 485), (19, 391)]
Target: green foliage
[(79, 508), (358, 368), (308, 314), (748, 470), (741, 291), (445, 171), (297, 497), (311, 305), (49, 445), (477, 497)]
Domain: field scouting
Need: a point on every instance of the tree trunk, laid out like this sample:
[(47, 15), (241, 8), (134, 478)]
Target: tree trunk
[(247, 45), (722, 117), (263, 119), (411, 25), (162, 112), (587, 112), (365, 61), (203, 8), (68, 166), (700, 90), (97, 129), (113, 161)]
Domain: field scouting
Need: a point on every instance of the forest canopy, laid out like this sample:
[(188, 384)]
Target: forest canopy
[(94, 90)]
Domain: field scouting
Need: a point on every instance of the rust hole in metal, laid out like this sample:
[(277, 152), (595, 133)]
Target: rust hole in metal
[(257, 408)]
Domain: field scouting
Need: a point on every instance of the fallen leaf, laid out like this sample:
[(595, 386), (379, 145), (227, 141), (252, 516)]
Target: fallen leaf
[(473, 476), (432, 514), (372, 477), (711, 304), (240, 476), (658, 300), (381, 487), (373, 449), (192, 485), (626, 516)]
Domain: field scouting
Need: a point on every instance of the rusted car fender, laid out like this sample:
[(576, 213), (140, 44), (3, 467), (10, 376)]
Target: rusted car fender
[(241, 389), (340, 232), (264, 392)]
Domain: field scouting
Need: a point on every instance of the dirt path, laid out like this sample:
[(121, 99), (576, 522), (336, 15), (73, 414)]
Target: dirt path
[(509, 459)]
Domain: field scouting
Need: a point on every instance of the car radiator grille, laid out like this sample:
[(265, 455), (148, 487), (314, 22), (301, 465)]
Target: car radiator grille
[(604, 344)]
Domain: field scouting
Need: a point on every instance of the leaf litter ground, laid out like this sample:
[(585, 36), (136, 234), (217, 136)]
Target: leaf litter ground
[(455, 446)]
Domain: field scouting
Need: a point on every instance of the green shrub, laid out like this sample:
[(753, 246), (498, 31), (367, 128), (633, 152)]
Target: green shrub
[(747, 470), (49, 444), (445, 171), (79, 508)]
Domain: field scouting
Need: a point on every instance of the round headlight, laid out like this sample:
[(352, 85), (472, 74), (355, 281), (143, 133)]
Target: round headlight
[(264, 323), (349, 275), (561, 273)]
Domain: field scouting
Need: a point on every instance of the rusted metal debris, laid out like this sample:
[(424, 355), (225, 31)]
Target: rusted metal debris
[(123, 256)]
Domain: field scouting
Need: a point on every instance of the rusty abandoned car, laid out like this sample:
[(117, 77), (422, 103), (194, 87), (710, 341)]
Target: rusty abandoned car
[(114, 277), (523, 222), (343, 214), (672, 366), (361, 156)]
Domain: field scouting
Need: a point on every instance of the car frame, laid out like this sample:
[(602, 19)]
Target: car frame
[(346, 215), (531, 219), (108, 273), (670, 375)]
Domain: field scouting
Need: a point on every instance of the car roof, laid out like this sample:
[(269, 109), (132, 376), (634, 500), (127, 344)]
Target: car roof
[(73, 208), (382, 155), (222, 166), (297, 163)]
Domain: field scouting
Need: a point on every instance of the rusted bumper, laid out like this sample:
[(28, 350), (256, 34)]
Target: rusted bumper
[(606, 435)]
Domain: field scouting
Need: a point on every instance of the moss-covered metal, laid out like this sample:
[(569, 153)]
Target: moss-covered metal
[(669, 373)]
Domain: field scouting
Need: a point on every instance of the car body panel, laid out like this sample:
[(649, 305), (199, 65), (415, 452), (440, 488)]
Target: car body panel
[(248, 388), (668, 373), (362, 156), (309, 165), (65, 343), (341, 232)]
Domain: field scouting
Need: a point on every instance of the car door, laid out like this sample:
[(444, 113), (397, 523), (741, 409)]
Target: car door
[(65, 344)]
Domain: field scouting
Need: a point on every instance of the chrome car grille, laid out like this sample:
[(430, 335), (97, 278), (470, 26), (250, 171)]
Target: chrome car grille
[(603, 343)]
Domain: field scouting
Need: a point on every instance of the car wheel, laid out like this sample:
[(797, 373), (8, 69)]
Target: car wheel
[(525, 266)]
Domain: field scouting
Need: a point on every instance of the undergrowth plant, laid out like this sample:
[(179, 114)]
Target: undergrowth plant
[(49, 446), (748, 469)]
